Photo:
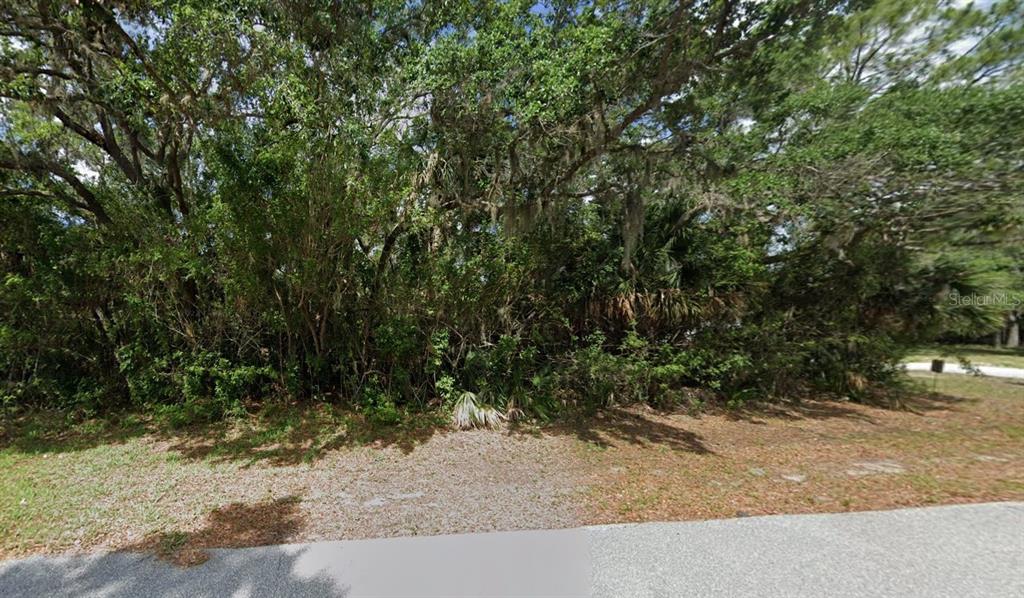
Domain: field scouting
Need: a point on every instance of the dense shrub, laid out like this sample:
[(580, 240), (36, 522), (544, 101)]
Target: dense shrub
[(498, 208)]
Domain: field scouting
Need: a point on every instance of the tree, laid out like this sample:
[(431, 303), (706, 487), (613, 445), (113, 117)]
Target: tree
[(538, 204)]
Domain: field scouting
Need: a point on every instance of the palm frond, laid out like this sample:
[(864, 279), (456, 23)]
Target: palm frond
[(468, 413)]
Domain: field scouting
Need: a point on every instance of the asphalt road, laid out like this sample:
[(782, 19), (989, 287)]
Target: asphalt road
[(955, 551)]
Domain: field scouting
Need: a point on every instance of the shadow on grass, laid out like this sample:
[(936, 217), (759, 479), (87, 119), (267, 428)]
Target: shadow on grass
[(634, 426), (953, 350), (298, 434), (916, 399), (303, 434), (54, 431), (293, 434), (820, 409), (276, 435), (924, 402), (642, 426), (234, 526), (271, 571)]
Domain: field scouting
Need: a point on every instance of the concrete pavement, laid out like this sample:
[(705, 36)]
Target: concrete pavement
[(955, 368), (956, 551)]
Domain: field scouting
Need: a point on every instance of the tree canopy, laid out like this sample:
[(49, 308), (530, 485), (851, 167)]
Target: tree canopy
[(516, 206)]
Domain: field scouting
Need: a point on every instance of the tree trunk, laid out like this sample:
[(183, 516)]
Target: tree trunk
[(1013, 336)]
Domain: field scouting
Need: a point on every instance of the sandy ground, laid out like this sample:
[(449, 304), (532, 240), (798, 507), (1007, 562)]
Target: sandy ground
[(177, 495), (472, 481)]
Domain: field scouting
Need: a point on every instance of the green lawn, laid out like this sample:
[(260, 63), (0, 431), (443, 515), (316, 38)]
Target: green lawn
[(976, 354)]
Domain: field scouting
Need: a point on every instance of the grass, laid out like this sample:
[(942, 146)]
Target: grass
[(171, 542), (962, 443), (78, 483), (293, 474), (976, 354), (73, 498), (43, 494)]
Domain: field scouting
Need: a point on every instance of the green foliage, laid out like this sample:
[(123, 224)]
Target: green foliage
[(379, 406), (499, 208)]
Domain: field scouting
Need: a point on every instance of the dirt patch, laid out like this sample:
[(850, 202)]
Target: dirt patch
[(950, 447), (477, 480), (150, 492), (316, 479)]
